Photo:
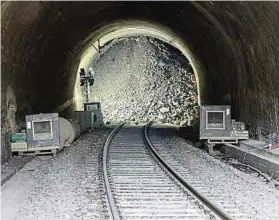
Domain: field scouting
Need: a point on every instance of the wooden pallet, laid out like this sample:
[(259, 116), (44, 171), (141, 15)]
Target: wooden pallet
[(225, 140), (23, 149), (38, 152), (222, 141)]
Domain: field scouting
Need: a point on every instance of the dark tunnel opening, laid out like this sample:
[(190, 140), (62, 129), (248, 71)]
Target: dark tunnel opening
[(233, 48)]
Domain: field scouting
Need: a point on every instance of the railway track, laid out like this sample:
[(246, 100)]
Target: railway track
[(219, 198), (139, 184)]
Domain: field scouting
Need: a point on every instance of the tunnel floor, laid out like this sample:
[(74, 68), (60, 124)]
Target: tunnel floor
[(68, 186)]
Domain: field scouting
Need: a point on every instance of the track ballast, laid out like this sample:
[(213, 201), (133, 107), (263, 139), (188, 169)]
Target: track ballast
[(139, 185)]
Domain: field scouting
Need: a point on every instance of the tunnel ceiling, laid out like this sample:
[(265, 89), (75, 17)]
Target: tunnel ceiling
[(237, 43)]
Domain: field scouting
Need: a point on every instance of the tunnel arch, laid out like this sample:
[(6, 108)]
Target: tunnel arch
[(123, 29), (235, 43)]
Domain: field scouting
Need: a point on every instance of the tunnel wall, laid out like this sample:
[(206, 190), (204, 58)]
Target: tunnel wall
[(251, 28), (33, 62), (237, 43)]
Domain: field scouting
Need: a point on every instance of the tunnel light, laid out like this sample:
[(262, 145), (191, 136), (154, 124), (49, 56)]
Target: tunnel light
[(91, 82), (82, 73), (82, 81)]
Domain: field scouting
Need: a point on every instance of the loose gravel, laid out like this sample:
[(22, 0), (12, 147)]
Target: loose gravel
[(141, 79), (64, 187), (252, 194)]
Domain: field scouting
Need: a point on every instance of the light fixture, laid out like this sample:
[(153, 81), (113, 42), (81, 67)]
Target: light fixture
[(87, 79)]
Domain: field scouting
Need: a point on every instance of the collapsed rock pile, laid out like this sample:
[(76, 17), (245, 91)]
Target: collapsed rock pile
[(141, 79)]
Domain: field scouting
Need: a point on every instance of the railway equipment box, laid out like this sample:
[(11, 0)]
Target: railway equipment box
[(42, 135), (216, 125), (42, 130), (45, 133), (18, 141), (85, 119), (215, 121), (18, 137), (95, 107)]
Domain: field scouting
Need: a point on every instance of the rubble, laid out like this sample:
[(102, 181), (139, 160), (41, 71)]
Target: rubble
[(141, 79)]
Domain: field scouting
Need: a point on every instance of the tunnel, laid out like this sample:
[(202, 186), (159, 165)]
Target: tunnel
[(233, 48)]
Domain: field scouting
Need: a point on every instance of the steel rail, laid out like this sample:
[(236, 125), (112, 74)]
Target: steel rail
[(211, 205), (112, 206)]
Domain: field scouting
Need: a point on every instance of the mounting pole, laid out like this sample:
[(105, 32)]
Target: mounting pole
[(86, 80), (87, 91)]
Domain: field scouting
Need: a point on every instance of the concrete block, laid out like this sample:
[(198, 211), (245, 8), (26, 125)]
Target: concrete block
[(255, 156), (6, 152)]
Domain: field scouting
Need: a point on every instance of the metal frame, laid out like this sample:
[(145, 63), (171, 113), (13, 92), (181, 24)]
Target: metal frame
[(51, 130), (206, 118), (211, 132)]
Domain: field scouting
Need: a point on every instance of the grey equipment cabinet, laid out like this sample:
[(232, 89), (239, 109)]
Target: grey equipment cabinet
[(85, 120), (43, 131), (96, 108), (215, 122)]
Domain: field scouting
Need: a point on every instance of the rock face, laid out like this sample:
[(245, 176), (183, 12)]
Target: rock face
[(141, 79)]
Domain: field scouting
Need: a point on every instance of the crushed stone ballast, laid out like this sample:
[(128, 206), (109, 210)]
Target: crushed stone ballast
[(138, 185)]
